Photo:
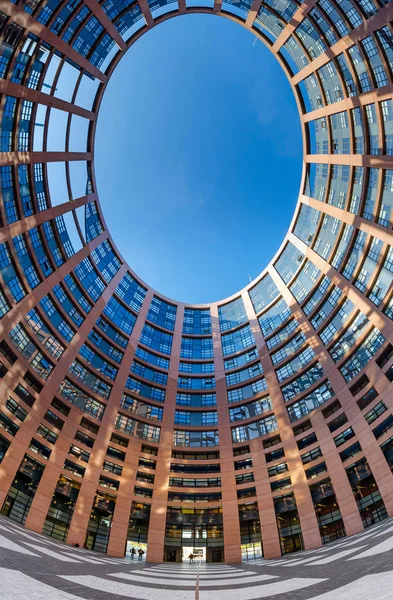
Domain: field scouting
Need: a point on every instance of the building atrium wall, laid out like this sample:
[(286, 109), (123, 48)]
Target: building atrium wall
[(261, 423)]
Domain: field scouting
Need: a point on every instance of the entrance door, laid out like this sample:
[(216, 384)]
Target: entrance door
[(170, 554), (216, 555), (90, 539), (136, 546), (199, 553), (17, 508)]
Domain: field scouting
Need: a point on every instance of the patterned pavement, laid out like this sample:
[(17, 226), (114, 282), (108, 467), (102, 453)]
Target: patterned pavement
[(35, 567)]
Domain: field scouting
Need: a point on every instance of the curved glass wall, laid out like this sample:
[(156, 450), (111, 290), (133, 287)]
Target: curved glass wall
[(261, 423)]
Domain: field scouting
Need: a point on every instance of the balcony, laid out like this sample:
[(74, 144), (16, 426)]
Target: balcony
[(31, 472), (103, 507), (65, 489), (249, 515), (285, 506), (322, 493), (194, 520), (143, 515), (359, 474)]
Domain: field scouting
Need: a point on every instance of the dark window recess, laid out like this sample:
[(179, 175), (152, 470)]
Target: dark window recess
[(320, 493), (89, 425), (60, 406), (246, 463), (40, 449), (307, 441), (387, 449), (3, 371), (245, 478), (115, 453), (3, 20), (274, 455), (32, 469), (47, 434), (181, 468), (146, 477), (330, 410), (147, 463), (75, 469), (4, 445), (7, 424), (83, 455), (112, 467), (33, 382), (196, 455), (85, 439), (112, 484), (145, 492), (281, 484), (246, 493), (385, 356), (338, 422), (249, 519), (180, 482), (54, 419), (389, 373), (12, 35), (302, 428), (358, 472), (383, 427), (6, 351), (375, 412), (24, 395), (178, 496), (359, 385), (241, 451), (272, 442), (150, 450), (367, 398), (344, 436), (350, 451), (312, 455), (16, 409), (117, 439), (277, 469), (315, 471)]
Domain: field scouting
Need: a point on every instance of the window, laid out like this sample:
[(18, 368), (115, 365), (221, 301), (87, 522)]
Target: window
[(16, 409)]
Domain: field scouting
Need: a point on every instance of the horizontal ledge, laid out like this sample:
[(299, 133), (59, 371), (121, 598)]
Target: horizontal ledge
[(19, 158)]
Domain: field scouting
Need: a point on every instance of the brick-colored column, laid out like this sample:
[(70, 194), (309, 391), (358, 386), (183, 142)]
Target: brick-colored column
[(231, 524), (267, 514), (156, 537)]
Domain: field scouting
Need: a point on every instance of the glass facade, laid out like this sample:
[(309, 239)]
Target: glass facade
[(283, 389)]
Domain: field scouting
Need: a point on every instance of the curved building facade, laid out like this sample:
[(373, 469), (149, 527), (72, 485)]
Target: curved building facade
[(258, 424)]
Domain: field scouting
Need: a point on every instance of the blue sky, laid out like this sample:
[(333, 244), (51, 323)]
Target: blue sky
[(198, 157)]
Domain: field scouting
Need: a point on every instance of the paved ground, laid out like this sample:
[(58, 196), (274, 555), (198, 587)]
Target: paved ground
[(34, 567)]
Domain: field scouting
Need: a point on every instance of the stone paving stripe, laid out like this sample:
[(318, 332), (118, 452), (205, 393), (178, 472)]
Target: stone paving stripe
[(363, 589), (329, 559), (129, 591), (16, 585), (8, 545), (384, 546), (260, 591), (221, 582), (55, 555)]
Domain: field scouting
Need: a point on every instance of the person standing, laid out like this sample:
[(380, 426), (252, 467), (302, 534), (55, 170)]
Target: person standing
[(133, 552), (141, 553), (191, 557)]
